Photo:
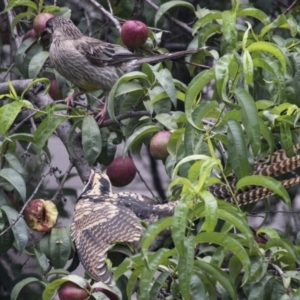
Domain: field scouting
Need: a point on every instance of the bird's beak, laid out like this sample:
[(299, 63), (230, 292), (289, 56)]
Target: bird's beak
[(46, 33)]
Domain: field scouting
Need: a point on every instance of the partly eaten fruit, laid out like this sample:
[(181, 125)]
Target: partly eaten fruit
[(41, 215)]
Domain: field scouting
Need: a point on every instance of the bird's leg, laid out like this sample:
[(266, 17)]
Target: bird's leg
[(100, 117), (70, 99)]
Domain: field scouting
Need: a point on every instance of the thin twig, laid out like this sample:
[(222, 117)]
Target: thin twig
[(171, 18), (25, 205), (8, 71), (107, 14), (61, 185), (282, 275), (142, 179), (16, 38), (109, 6), (290, 7)]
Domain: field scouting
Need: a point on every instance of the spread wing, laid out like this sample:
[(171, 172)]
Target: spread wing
[(104, 54), (97, 225)]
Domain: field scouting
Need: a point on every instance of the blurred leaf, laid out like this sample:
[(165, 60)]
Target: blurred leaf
[(19, 286), (36, 64), (91, 139), (179, 227), (164, 77), (8, 114), (60, 246), (185, 267), (267, 182), (16, 180), (168, 5), (237, 150), (19, 227)]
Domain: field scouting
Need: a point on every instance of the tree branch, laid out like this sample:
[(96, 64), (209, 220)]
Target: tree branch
[(40, 99)]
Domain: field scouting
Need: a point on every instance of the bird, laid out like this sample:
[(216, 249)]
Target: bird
[(103, 218), (92, 64)]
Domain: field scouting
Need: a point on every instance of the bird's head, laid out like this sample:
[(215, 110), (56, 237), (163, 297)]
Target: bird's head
[(61, 27), (98, 183)]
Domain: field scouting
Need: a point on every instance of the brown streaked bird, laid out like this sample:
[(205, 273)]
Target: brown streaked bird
[(103, 218), (92, 64)]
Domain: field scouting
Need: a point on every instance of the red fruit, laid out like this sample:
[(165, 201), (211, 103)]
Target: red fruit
[(134, 33), (29, 34), (41, 215), (54, 90), (121, 172), (159, 143), (108, 293), (72, 291), (39, 22)]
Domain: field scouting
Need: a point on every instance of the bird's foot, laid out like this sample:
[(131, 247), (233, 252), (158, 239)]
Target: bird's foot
[(100, 117), (70, 99)]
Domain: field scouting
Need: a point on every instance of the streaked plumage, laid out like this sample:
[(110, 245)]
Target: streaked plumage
[(90, 63), (103, 218)]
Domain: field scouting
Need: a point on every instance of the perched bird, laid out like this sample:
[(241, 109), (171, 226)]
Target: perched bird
[(103, 218), (92, 64)]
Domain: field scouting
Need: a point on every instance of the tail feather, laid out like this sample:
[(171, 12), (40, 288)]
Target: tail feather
[(161, 57)]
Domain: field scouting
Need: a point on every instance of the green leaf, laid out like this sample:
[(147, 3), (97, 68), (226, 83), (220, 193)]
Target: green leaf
[(37, 63), (237, 150), (19, 228), (153, 230), (254, 13), (211, 208), (16, 180), (250, 118), (218, 275), (6, 239), (267, 182), (14, 162), (157, 285), (228, 27), (45, 130), (19, 286), (13, 3), (138, 135), (248, 67), (231, 244), (60, 246), (194, 88), (91, 139), (270, 48), (148, 272), (165, 79), (123, 79), (42, 260), (8, 114), (179, 226), (188, 159), (185, 267), (168, 5), (287, 138), (286, 245)]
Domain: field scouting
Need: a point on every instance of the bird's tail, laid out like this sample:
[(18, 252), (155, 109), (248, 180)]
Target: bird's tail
[(162, 57)]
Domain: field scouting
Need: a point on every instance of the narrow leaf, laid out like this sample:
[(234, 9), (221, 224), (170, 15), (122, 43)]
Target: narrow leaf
[(91, 139)]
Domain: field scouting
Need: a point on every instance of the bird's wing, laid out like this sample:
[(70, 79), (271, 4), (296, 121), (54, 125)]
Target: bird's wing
[(104, 54), (95, 228)]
